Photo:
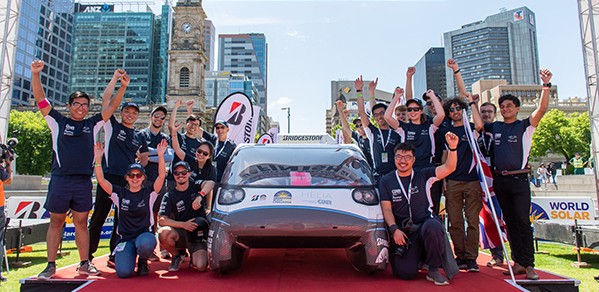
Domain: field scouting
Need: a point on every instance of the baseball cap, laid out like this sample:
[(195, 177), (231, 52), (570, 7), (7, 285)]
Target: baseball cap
[(130, 104), (182, 163), (159, 108), (416, 101), (222, 123), (136, 166)]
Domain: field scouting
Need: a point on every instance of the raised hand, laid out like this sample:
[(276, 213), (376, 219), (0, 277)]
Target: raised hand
[(430, 93), (411, 71), (125, 80), (177, 126), (546, 75), (98, 152), (359, 83), (178, 103), (118, 73), (189, 105), (372, 85), (161, 148), (451, 63), (37, 66), (452, 140), (399, 92)]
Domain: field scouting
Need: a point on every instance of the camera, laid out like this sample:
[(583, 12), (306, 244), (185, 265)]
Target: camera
[(401, 249), (7, 151)]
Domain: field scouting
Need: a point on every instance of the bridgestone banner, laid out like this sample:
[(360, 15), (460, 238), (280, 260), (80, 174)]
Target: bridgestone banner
[(239, 113)]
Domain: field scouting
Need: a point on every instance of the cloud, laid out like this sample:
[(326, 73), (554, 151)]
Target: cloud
[(297, 35), (281, 101)]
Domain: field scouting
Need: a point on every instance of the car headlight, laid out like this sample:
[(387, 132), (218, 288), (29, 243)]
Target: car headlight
[(231, 196), (365, 196)]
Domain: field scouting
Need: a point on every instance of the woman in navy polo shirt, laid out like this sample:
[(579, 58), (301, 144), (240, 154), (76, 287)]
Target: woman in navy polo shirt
[(136, 219)]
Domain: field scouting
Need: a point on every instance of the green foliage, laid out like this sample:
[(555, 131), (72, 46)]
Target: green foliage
[(35, 147), (563, 135)]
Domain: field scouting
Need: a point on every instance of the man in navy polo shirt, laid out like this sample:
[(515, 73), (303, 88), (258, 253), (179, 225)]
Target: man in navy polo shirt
[(188, 141), (513, 139), (124, 145), (382, 139), (73, 141), (463, 191), (416, 233)]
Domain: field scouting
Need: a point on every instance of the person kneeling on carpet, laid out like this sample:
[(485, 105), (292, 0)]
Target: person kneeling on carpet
[(182, 218), (136, 218), (417, 235)]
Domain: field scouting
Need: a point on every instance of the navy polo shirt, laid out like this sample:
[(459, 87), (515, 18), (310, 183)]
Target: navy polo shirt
[(512, 143), (73, 143), (222, 153), (177, 205), (485, 143), (153, 141), (423, 138), (121, 147), (135, 211), (466, 168), (188, 145), (382, 143), (421, 203), (208, 172)]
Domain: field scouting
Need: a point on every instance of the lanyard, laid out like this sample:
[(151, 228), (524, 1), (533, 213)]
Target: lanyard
[(388, 138), (221, 149), (487, 146), (407, 194)]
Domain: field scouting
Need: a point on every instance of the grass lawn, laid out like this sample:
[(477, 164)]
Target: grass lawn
[(38, 261)]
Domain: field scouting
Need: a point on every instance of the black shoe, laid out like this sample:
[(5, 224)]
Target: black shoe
[(142, 268), (110, 262), (47, 273), (175, 263), (472, 266), (2, 278), (461, 264)]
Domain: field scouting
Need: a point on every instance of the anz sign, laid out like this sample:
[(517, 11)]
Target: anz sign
[(93, 8)]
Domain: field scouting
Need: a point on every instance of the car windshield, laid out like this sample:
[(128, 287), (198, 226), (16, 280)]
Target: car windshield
[(298, 166)]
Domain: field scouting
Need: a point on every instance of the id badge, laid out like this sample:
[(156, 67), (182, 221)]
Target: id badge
[(120, 247), (385, 157)]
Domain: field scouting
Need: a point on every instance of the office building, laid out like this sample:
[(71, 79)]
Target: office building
[(503, 46), (209, 42), (430, 73), (246, 54), (43, 32)]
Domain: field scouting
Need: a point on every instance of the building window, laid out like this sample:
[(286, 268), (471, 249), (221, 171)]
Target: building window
[(184, 77)]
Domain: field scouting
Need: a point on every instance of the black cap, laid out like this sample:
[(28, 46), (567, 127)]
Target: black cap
[(222, 123), (416, 101), (159, 108), (136, 166), (130, 104), (182, 163)]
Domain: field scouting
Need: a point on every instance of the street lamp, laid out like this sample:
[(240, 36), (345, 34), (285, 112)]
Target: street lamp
[(288, 117)]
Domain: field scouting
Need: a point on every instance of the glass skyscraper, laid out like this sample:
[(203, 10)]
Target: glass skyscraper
[(246, 54), (430, 73), (219, 84), (209, 42), (43, 32), (503, 46)]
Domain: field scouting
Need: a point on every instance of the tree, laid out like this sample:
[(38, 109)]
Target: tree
[(561, 134), (35, 148)]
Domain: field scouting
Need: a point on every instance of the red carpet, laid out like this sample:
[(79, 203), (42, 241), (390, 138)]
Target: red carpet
[(290, 270)]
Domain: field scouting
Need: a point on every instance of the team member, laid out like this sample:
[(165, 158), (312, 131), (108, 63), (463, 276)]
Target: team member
[(5, 179), (513, 139), (182, 216), (136, 221), (382, 139), (463, 191), (360, 136), (223, 147), (416, 233), (123, 146), (70, 185), (188, 141)]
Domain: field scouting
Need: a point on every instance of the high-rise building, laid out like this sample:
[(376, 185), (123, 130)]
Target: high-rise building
[(430, 73), (246, 54), (503, 46), (162, 26), (44, 32), (134, 41), (219, 84), (209, 42)]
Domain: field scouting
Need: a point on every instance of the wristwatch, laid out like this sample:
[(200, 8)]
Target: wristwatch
[(547, 84)]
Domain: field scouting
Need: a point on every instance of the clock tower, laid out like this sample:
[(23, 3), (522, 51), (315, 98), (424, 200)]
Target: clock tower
[(187, 58)]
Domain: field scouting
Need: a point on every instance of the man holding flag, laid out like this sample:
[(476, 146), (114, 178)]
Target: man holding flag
[(513, 139)]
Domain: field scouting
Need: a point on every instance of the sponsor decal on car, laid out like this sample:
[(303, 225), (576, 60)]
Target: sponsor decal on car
[(381, 241), (258, 197), (383, 256), (282, 197), (317, 197)]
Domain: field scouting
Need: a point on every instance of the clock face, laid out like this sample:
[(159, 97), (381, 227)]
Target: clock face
[(186, 27)]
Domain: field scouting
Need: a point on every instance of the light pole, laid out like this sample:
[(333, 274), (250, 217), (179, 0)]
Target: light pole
[(288, 117)]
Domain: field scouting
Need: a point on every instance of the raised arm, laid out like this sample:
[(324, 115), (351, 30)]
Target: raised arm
[(449, 166), (175, 141), (109, 90), (36, 84), (173, 118), (107, 111), (102, 182), (344, 123), (372, 92), (438, 119), (409, 75), (393, 122), (189, 107), (160, 149), (453, 65), (537, 115), (359, 85), (473, 103)]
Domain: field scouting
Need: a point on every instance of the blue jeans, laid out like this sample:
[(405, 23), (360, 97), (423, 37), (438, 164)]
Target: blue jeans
[(126, 252)]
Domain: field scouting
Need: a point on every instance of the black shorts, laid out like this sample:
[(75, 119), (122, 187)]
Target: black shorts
[(69, 192), (184, 243)]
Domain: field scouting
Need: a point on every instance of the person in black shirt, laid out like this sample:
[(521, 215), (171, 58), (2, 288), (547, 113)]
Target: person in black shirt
[(223, 147), (416, 233), (182, 216), (70, 185), (513, 139), (188, 141), (360, 136), (136, 218)]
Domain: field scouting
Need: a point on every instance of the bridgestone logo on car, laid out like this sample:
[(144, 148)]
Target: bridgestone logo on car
[(312, 138)]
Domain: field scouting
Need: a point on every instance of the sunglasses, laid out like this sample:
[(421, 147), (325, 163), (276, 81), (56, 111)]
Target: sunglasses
[(413, 109), (177, 173), (358, 125), (159, 117), (205, 153), (135, 175), (429, 103), (454, 109)]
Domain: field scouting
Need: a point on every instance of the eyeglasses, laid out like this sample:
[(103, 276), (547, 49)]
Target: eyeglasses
[(159, 117), (192, 125), (429, 103), (135, 175), (486, 112), (78, 105), (205, 153), (413, 109), (404, 157), (178, 173), (379, 114), (454, 109)]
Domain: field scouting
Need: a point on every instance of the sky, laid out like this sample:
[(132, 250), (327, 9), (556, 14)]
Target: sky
[(311, 43)]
